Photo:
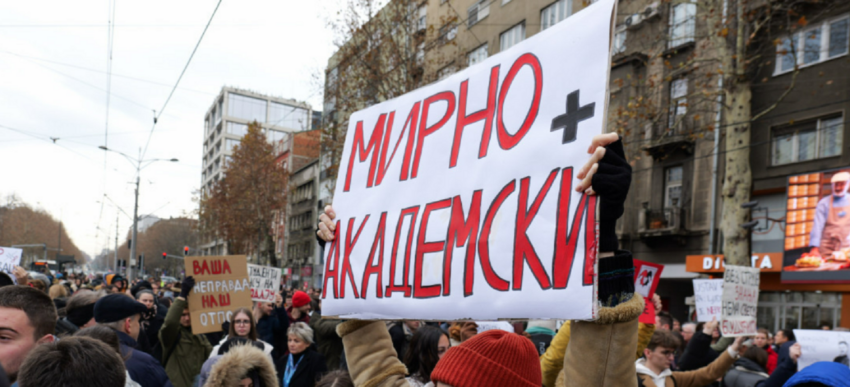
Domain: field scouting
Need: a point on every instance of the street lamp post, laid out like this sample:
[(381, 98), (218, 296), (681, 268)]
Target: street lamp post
[(137, 162)]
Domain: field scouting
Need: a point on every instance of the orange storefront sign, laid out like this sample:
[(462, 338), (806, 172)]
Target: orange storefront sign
[(767, 262)]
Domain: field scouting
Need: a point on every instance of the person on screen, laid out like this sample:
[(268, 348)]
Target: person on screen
[(842, 354), (831, 228)]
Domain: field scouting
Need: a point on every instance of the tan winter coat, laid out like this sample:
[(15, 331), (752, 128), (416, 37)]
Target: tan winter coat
[(600, 353), (696, 378), (235, 364)]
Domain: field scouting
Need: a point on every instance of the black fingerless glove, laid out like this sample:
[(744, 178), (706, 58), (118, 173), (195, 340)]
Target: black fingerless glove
[(187, 286), (611, 182)]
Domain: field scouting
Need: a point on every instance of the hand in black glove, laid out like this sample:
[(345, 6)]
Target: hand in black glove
[(609, 175), (187, 286)]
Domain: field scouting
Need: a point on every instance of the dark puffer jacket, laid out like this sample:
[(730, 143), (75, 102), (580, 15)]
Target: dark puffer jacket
[(745, 373)]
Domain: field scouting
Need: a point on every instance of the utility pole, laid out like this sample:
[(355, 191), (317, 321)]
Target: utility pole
[(135, 229)]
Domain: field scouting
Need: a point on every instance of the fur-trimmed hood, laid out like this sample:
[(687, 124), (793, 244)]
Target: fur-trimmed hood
[(235, 364)]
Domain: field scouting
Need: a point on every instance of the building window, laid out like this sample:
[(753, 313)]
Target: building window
[(505, 2), (477, 55), (275, 136), (620, 40), (678, 102), (446, 71), (246, 108), (512, 36), (477, 12), (554, 13), (218, 111), (422, 20), (818, 43), (807, 140), (288, 116), (682, 24), (237, 129), (673, 187), (229, 145)]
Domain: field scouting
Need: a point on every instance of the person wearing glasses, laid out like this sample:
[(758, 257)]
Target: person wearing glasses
[(242, 325)]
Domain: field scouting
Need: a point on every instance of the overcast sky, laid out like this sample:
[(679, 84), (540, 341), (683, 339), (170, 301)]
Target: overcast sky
[(269, 46)]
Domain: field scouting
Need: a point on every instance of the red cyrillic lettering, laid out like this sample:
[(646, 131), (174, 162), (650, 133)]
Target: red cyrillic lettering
[(377, 268), (405, 287), (423, 248), (425, 130), (523, 250), (565, 245), (492, 278), (346, 263), (373, 146), (461, 232), (412, 118), (507, 140), (332, 271), (590, 241), (485, 114)]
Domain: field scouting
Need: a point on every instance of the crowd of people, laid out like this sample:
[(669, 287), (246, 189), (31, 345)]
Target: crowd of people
[(77, 331)]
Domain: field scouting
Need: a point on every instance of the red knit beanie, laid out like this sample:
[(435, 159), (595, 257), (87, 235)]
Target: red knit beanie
[(492, 358), (300, 299)]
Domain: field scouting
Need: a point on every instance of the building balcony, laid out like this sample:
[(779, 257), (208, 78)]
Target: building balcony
[(668, 140), (665, 222)]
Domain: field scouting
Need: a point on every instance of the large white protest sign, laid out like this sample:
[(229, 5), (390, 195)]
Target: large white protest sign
[(456, 201), (265, 282), (708, 295), (740, 301), (819, 345), (9, 258), (484, 326)]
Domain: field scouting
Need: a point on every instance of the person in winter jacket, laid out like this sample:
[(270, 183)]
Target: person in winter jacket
[(151, 322), (272, 324), (242, 325), (821, 374), (330, 345), (183, 353), (300, 309), (121, 313), (698, 353), (749, 370), (243, 365), (654, 369), (600, 352), (762, 340), (72, 362), (402, 332), (427, 347), (302, 366), (552, 362), (110, 338), (219, 352)]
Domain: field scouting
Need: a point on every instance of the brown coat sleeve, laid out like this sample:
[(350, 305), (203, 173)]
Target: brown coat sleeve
[(705, 375), (372, 361), (601, 353)]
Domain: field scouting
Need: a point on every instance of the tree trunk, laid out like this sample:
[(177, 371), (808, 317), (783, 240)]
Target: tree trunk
[(737, 181)]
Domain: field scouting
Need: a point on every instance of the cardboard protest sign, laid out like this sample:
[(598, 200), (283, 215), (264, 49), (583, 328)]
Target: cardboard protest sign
[(456, 201), (647, 275), (265, 282), (9, 258), (740, 301), (221, 286), (708, 296), (819, 345)]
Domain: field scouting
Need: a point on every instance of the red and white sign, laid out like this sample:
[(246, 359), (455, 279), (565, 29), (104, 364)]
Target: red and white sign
[(647, 275), (457, 200), (9, 258)]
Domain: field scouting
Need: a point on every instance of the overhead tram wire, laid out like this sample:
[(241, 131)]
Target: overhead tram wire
[(161, 110), (110, 36)]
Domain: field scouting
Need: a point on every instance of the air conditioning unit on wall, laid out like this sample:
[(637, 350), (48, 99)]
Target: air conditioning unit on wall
[(633, 21), (651, 11)]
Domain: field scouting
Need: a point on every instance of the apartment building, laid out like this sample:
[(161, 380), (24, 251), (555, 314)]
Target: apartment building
[(226, 122)]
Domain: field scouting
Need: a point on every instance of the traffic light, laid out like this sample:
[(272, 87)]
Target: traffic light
[(185, 250), (164, 255)]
